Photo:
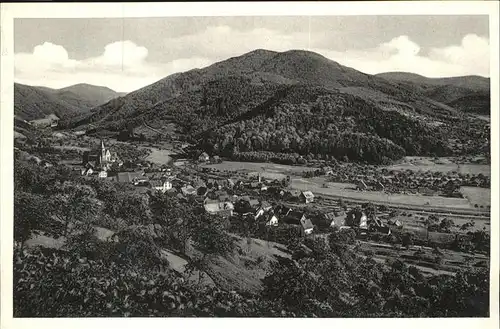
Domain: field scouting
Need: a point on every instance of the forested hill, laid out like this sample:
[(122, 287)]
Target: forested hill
[(86, 96), (35, 103), (32, 102), (467, 93), (308, 104)]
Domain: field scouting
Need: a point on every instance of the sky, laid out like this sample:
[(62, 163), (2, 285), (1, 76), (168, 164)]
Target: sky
[(126, 54)]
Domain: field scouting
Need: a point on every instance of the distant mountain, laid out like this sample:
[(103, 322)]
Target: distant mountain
[(294, 102), (36, 102), (472, 82), (93, 95), (83, 95), (467, 93)]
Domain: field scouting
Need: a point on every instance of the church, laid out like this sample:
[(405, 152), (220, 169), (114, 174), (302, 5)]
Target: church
[(101, 158)]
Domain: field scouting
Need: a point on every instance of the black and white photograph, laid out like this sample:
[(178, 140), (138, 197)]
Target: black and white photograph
[(250, 166)]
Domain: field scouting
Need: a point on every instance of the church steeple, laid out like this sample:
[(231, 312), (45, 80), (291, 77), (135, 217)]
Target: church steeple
[(102, 146)]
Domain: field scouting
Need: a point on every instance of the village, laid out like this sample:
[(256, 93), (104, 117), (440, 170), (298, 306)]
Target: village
[(256, 200)]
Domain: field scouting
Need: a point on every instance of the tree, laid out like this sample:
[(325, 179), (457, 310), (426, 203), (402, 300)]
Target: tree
[(209, 239), (174, 217), (74, 203), (446, 225), (339, 241), (134, 209), (30, 212)]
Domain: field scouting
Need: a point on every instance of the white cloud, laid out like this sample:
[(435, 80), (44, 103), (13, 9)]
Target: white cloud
[(122, 66), (402, 54), (121, 54), (125, 65)]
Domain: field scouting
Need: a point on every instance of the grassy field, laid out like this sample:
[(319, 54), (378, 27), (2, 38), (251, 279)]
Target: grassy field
[(477, 195), (255, 167), (415, 200), (158, 156), (443, 165), (245, 269)]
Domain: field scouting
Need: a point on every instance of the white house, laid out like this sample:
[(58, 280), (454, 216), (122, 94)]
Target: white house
[(87, 172), (160, 185), (273, 220)]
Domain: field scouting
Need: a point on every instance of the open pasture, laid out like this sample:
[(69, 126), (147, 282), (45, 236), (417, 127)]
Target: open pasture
[(252, 167), (477, 195), (375, 196), (443, 165)]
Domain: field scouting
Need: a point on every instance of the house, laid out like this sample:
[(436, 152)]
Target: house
[(204, 157), (160, 185), (231, 183), (271, 220), (188, 190), (197, 182), (262, 209), (220, 208), (299, 218), (291, 194), (254, 185), (103, 174), (335, 220), (214, 184), (307, 197), (361, 185), (327, 170), (87, 171), (135, 178), (265, 205), (216, 159), (254, 203), (357, 219), (259, 212)]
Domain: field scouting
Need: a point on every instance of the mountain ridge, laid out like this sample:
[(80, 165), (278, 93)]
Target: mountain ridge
[(35, 102)]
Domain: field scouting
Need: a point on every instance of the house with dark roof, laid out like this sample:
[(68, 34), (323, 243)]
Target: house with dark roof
[(137, 178), (265, 205), (294, 217), (306, 197), (291, 194)]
